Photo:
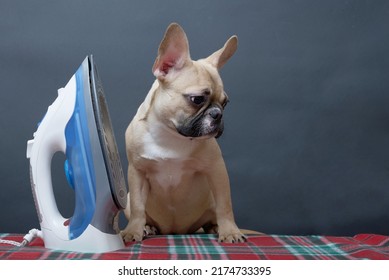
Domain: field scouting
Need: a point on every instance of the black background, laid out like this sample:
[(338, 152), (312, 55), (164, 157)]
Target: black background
[(307, 129)]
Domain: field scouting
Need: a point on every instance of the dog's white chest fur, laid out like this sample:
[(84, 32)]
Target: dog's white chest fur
[(168, 155), (158, 148)]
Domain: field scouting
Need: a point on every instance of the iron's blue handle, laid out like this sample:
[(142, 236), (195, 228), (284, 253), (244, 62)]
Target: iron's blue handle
[(79, 163), (69, 173)]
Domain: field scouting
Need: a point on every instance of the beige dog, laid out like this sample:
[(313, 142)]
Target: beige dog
[(177, 177)]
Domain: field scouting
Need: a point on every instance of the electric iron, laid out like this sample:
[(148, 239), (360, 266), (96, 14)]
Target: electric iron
[(78, 124)]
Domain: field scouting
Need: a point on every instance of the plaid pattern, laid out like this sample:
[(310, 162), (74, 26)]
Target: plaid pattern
[(205, 246)]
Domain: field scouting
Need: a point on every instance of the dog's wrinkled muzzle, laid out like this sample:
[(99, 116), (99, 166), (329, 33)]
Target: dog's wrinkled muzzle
[(208, 123)]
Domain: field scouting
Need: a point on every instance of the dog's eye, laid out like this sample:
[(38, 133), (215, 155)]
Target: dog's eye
[(197, 99)]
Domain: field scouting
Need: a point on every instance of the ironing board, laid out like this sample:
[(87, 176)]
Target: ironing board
[(205, 246)]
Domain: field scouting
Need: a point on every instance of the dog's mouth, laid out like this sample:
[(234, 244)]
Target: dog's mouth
[(198, 130)]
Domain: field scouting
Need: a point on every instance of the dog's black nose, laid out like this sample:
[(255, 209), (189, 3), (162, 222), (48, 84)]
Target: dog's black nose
[(215, 113)]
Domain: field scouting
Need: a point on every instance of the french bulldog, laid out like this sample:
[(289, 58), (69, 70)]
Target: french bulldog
[(178, 182)]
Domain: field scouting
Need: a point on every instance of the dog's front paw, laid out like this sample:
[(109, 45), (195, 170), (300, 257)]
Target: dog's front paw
[(236, 237), (130, 234), (230, 233), (133, 232)]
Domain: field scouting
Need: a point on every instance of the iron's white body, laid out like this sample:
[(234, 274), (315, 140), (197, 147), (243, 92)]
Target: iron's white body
[(91, 241), (49, 139)]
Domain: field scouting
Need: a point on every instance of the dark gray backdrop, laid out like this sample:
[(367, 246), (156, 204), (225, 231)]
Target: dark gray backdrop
[(307, 129)]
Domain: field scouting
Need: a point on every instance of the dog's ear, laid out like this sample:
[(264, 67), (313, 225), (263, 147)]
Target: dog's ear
[(220, 57), (173, 52)]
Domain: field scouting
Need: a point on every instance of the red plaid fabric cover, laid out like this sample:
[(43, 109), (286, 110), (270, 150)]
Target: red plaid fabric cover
[(204, 246)]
